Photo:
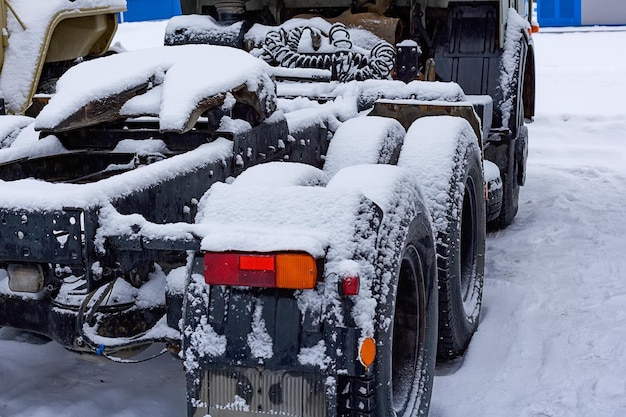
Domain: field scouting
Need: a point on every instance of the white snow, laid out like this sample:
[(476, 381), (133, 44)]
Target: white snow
[(281, 174), (315, 356), (552, 341), (272, 221), (259, 340)]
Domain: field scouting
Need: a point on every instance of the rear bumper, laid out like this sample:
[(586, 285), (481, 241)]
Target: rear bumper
[(258, 392)]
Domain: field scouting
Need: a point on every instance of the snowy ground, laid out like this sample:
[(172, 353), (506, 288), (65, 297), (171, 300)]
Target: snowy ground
[(552, 342)]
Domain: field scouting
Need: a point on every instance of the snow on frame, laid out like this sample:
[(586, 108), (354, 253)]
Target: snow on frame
[(40, 195), (22, 54), (213, 69)]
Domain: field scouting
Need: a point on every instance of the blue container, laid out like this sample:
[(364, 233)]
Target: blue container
[(559, 12), (139, 10)]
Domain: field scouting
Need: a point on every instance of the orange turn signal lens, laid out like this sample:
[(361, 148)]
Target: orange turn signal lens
[(367, 352), (295, 271)]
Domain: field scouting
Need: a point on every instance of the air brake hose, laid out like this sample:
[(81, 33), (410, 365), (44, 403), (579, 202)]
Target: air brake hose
[(98, 348)]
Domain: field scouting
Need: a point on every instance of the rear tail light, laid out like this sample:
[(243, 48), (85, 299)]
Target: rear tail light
[(350, 285), (278, 270)]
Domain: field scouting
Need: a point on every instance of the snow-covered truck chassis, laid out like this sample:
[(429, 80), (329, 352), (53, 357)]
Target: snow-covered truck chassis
[(53, 245), (384, 251)]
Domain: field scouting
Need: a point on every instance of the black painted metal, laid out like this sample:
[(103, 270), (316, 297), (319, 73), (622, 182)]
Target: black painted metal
[(407, 62), (45, 317), (466, 50)]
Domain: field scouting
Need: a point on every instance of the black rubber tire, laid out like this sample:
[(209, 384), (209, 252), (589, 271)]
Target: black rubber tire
[(461, 258), (494, 199), (405, 363), (511, 158)]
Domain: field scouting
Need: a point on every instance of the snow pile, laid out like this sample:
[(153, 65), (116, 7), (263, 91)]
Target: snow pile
[(367, 92), (344, 101), (315, 356), (169, 69), (27, 27)]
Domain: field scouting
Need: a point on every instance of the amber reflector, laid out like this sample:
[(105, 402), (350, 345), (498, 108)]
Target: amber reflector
[(295, 271), (367, 352)]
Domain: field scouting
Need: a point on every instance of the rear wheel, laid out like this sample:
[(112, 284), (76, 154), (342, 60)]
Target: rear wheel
[(408, 351), (444, 154), (460, 254)]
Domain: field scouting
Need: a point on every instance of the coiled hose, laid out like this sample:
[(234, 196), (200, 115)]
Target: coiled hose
[(346, 63)]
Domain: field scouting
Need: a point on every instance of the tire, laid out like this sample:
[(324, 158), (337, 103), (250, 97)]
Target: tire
[(494, 187), (461, 260), (511, 159), (364, 140), (443, 153), (407, 354)]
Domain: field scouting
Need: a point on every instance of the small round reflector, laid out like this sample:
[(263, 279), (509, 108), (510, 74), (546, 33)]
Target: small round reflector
[(367, 352)]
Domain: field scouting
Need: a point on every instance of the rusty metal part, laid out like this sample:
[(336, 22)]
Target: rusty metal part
[(407, 111), (100, 110), (388, 29), (430, 70), (107, 109), (374, 6)]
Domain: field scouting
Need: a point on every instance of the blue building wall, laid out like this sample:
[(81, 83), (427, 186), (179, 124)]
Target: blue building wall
[(139, 10), (581, 12), (559, 12)]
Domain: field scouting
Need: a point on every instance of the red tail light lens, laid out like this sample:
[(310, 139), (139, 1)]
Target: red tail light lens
[(284, 270), (350, 285), (257, 263)]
